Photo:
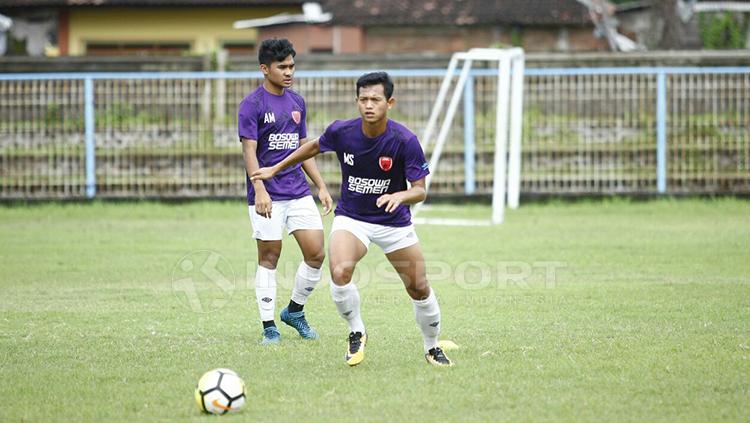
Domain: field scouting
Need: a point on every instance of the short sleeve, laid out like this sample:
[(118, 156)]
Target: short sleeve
[(303, 123), (328, 140), (416, 165), (247, 121)]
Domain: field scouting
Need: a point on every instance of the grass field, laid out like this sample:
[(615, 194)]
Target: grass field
[(591, 311)]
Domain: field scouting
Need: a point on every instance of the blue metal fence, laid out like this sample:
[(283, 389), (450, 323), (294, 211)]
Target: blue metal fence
[(586, 130)]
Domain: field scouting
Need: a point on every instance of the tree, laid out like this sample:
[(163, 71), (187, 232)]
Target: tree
[(673, 29)]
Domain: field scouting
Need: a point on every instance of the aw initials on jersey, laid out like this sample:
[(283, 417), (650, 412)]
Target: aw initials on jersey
[(269, 118), (349, 159)]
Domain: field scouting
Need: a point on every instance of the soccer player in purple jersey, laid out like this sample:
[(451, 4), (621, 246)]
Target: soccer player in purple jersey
[(377, 157), (271, 127)]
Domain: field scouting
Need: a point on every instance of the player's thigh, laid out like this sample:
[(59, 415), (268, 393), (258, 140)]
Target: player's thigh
[(268, 233), (304, 223), (310, 242), (410, 266), (345, 250)]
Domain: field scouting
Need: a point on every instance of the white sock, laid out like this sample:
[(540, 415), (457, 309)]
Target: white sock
[(346, 299), (304, 282), (265, 292), (427, 314)]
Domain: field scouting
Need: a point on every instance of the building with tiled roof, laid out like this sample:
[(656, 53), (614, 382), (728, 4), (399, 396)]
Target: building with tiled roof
[(440, 26), (138, 27), (180, 27), (457, 13)]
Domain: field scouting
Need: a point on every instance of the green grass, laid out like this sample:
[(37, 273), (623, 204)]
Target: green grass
[(646, 319)]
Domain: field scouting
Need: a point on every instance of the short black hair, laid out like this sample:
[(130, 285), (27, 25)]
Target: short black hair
[(375, 78), (275, 50)]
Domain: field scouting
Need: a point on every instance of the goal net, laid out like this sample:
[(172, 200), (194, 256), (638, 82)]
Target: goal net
[(509, 116)]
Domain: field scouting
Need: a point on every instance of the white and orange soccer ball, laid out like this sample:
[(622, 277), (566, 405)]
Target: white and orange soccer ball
[(220, 391)]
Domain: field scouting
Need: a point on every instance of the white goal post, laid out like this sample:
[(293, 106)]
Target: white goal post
[(509, 117)]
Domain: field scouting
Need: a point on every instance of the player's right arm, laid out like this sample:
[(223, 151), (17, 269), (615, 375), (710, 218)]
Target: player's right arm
[(262, 198), (306, 151)]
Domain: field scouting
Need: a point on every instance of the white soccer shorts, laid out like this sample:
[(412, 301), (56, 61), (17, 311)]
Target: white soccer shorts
[(388, 238), (300, 213)]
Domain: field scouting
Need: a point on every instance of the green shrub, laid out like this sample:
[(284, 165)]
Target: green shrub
[(721, 31)]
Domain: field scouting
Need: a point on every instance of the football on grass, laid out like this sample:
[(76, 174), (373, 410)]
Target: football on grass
[(220, 391)]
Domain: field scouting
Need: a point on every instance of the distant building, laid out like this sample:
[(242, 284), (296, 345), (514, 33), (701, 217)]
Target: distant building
[(198, 27), (441, 26), (136, 27)]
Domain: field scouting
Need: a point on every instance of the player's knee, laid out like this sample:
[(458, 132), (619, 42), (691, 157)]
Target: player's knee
[(316, 258), (419, 291), (342, 275), (269, 259)]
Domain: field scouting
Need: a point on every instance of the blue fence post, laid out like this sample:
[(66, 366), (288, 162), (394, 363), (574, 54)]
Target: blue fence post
[(470, 185), (661, 131), (88, 88)]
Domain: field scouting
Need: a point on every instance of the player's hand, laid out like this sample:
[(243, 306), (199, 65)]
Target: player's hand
[(263, 204), (325, 200), (390, 201), (263, 174)]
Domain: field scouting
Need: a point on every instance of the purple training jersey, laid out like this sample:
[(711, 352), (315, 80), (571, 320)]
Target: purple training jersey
[(277, 123), (371, 167)]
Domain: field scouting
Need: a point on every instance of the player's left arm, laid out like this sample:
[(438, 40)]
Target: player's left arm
[(415, 194), (311, 169), (416, 170)]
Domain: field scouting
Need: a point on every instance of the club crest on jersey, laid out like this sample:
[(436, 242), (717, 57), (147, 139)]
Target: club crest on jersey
[(296, 116), (386, 163)]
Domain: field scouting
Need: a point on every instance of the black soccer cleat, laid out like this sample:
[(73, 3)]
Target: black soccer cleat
[(437, 357)]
